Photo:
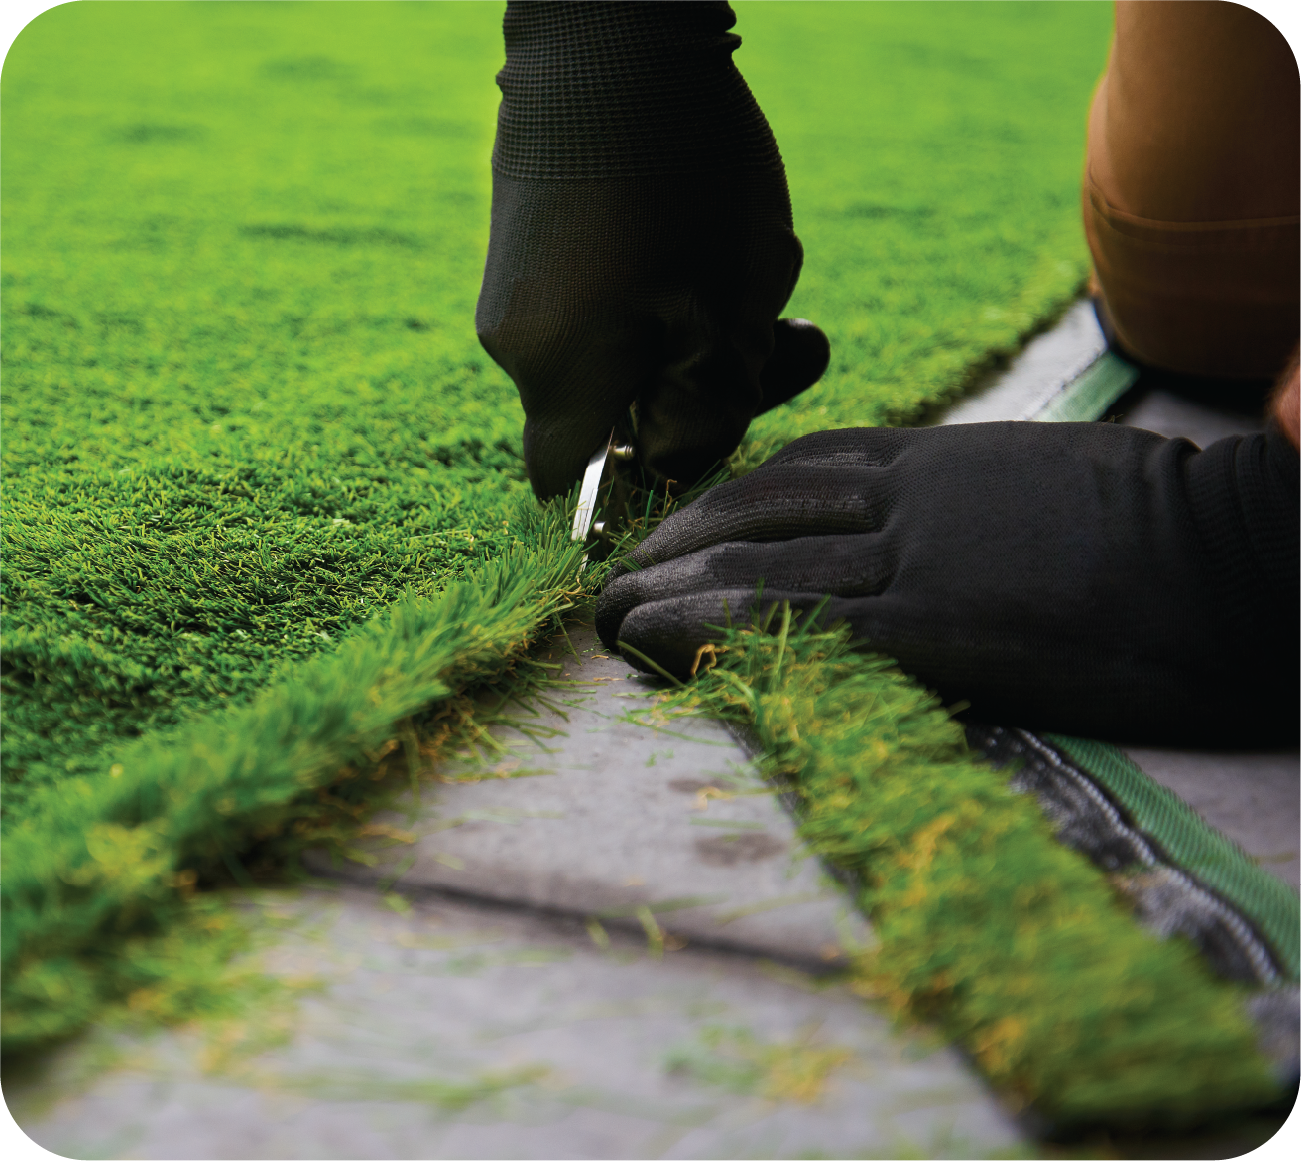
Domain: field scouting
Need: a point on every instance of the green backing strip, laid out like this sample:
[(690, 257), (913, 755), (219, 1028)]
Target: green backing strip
[(1195, 846), (1190, 842), (1090, 394)]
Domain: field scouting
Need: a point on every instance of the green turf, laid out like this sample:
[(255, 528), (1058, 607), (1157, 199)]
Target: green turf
[(97, 867), (245, 406), (245, 410), (934, 154), (244, 403)]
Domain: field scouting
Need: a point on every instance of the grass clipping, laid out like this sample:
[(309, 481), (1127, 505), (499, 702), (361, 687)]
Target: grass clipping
[(1016, 946), (99, 872)]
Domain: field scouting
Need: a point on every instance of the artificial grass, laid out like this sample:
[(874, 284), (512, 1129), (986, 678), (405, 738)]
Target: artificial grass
[(245, 411), (244, 402), (986, 925), (99, 864), (244, 407)]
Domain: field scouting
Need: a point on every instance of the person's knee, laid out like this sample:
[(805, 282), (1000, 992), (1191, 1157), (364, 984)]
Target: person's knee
[(1191, 190)]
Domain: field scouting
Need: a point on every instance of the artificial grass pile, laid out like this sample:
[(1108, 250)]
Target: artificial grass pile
[(245, 410), (98, 865), (245, 406), (986, 925)]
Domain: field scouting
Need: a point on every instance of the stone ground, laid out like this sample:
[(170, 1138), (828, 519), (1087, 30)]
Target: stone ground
[(611, 947), (621, 815), (459, 1030)]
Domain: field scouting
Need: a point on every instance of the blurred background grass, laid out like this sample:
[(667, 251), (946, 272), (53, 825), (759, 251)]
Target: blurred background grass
[(244, 404)]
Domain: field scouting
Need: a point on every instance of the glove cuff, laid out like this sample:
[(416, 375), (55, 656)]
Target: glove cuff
[(1243, 495), (608, 90)]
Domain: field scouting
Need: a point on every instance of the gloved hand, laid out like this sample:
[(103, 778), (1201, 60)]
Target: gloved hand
[(1085, 578), (641, 246)]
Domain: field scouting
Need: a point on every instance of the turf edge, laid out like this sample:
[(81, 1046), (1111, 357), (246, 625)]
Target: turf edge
[(98, 878), (989, 928)]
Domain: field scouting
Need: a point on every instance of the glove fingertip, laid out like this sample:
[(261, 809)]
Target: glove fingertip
[(648, 644)]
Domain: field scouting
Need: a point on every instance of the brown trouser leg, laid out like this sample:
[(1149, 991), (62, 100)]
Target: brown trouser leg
[(1191, 189)]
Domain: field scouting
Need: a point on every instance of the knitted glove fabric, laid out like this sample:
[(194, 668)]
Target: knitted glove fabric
[(1085, 578), (641, 245)]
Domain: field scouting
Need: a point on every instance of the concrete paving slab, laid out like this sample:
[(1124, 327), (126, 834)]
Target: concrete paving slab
[(458, 1031), (622, 810)]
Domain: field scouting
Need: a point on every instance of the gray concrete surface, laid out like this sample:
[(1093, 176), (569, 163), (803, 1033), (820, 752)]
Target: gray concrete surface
[(622, 808), (1047, 364), (458, 1031)]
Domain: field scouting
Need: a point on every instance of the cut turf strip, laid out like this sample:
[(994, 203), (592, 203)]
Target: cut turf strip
[(988, 926), (1170, 871)]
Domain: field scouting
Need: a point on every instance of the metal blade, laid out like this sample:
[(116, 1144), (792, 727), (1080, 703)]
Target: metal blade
[(586, 511)]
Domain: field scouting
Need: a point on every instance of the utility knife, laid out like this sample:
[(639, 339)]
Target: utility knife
[(605, 490)]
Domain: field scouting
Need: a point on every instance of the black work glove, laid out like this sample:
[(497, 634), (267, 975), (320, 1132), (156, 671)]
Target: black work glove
[(641, 245), (1086, 578)]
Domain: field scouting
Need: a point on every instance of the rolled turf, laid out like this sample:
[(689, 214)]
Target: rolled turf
[(263, 491)]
